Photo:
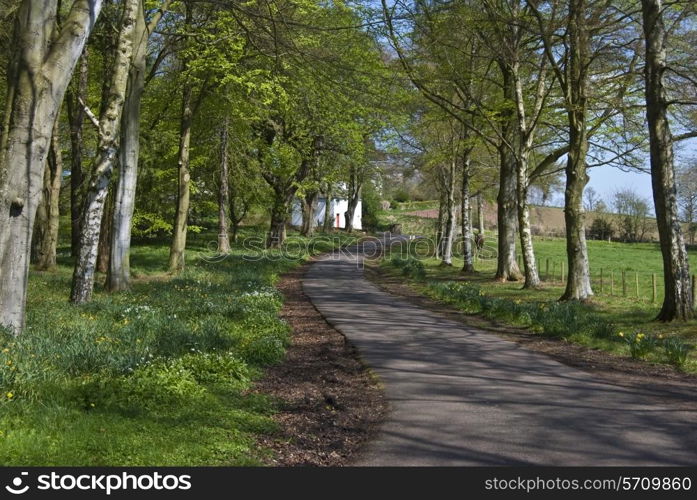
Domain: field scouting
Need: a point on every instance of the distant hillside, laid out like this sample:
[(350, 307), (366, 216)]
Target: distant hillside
[(546, 221)]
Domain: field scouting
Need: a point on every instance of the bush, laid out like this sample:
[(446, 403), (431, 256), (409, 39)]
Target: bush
[(401, 196)]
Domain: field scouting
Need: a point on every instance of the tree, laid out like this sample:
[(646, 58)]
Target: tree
[(118, 276), (45, 239), (633, 223), (583, 44), (687, 197), (591, 199), (107, 126), (44, 58), (677, 302)]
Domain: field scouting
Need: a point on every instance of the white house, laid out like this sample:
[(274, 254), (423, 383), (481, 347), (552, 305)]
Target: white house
[(337, 213)]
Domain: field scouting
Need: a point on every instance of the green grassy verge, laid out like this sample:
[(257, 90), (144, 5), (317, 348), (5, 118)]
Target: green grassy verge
[(155, 376), (620, 324)]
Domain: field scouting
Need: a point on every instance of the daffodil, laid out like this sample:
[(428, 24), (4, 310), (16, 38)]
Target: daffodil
[(10, 395)]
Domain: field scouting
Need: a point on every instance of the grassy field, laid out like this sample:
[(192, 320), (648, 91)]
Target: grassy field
[(621, 308), (156, 376)]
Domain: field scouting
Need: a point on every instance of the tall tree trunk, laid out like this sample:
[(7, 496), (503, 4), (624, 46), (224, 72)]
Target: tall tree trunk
[(677, 301), (440, 227), (532, 278), (308, 204), (328, 215), (507, 265), (119, 273), (76, 117), (279, 218), (37, 80), (119, 270), (480, 213), (450, 219), (223, 192), (467, 254), (578, 285), (105, 234), (47, 233), (176, 252), (354, 194), (109, 123)]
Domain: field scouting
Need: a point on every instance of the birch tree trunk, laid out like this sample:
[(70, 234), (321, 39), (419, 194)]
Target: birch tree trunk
[(524, 146), (677, 301), (223, 193), (76, 116), (108, 124), (47, 236), (37, 81), (468, 265), (176, 251), (532, 278), (578, 285)]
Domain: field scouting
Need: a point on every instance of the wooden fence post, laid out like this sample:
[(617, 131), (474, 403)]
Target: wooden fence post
[(612, 282), (562, 272), (624, 283), (653, 283), (547, 270), (636, 281)]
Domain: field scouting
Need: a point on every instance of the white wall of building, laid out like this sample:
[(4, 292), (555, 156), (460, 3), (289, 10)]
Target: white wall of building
[(337, 210)]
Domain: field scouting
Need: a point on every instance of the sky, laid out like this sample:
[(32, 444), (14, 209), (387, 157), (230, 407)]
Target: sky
[(607, 180)]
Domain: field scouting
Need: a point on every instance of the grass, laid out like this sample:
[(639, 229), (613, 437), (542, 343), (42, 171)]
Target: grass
[(159, 375), (508, 303)]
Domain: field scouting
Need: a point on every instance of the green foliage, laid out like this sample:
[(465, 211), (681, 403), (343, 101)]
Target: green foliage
[(401, 196), (676, 351), (640, 344), (410, 266), (164, 368), (551, 319)]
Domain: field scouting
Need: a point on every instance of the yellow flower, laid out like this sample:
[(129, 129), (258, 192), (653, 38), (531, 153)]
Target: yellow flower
[(9, 362), (5, 350), (92, 405), (660, 336), (621, 334), (10, 395)]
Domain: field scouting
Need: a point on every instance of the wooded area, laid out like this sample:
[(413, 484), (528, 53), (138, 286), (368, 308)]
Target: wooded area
[(153, 115)]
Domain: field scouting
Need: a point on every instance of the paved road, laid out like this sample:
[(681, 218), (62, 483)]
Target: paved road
[(462, 396)]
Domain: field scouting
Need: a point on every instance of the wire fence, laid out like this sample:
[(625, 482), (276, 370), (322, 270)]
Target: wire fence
[(641, 286)]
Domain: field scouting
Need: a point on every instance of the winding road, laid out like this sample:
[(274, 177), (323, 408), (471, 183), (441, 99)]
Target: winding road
[(463, 396)]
